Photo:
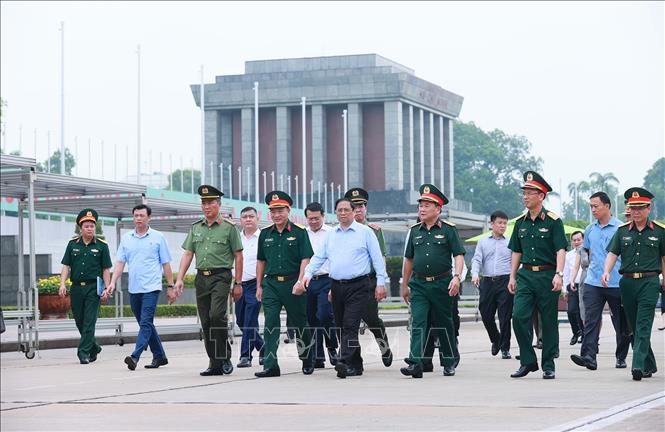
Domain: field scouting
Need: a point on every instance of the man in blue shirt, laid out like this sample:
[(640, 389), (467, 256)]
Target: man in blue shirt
[(351, 250), (147, 253), (596, 238)]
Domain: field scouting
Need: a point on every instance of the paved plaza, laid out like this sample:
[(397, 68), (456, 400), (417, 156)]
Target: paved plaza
[(54, 392)]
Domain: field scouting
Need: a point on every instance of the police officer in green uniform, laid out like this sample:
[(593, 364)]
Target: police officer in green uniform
[(539, 244), (216, 243), (641, 246), (86, 258), (359, 198), (429, 283), (283, 253)]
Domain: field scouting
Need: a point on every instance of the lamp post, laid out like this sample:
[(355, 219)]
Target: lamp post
[(346, 149)]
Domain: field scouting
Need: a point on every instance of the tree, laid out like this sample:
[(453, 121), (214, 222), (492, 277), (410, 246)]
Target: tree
[(186, 175), (654, 182), (489, 168), (54, 161), (578, 208)]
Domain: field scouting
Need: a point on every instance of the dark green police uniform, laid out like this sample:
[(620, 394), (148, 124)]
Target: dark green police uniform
[(641, 255), (283, 253), (87, 262), (538, 240), (214, 246), (371, 316), (432, 251)]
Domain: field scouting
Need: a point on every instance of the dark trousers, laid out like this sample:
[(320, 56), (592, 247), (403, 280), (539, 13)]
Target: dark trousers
[(494, 295), (143, 307), (574, 317), (247, 318), (212, 295), (85, 308), (432, 339), (349, 304), (320, 316), (372, 319), (594, 301)]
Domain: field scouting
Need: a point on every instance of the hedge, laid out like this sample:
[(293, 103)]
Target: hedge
[(176, 310)]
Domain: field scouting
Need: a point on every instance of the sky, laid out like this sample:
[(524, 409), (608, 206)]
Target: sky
[(584, 82)]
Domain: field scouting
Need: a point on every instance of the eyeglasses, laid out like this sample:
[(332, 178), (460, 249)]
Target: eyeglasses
[(528, 193), (343, 210)]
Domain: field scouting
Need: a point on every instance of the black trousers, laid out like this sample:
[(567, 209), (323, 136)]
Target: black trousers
[(494, 295), (349, 303), (594, 302), (574, 316), (432, 340)]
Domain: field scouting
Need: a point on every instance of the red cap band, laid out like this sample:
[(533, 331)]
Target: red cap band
[(535, 185), (431, 197)]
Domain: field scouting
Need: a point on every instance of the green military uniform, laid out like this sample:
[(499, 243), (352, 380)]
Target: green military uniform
[(214, 246), (283, 253), (431, 251), (538, 240), (371, 316), (641, 255), (87, 262)]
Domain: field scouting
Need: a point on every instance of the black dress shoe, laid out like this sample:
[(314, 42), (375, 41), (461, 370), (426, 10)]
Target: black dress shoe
[(495, 348), (307, 369), (227, 366), (449, 371), (556, 354), (637, 374), (84, 360), (244, 363), (212, 372), (131, 362), (524, 370), (539, 344), (647, 374), (573, 340), (354, 371), (319, 364), (387, 358), (157, 363), (621, 364), (332, 355), (262, 352), (584, 362), (413, 370), (548, 374), (341, 370), (93, 357), (456, 361), (428, 367), (275, 372), (505, 355)]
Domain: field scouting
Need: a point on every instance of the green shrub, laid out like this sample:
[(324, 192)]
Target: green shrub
[(51, 285), (175, 310)]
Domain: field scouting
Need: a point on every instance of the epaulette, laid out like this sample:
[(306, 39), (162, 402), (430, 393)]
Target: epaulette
[(76, 237), (269, 226), (298, 225), (447, 222), (624, 224), (374, 226), (415, 224), (102, 240), (660, 224), (198, 221), (229, 221), (552, 215)]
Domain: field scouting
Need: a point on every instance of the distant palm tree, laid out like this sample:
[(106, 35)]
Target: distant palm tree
[(574, 189), (603, 182)]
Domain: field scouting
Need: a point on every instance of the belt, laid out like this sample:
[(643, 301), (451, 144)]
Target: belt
[(317, 277), (85, 282), (496, 278), (538, 268), (432, 278), (249, 282), (372, 275), (350, 281), (640, 275), (210, 272), (284, 278)]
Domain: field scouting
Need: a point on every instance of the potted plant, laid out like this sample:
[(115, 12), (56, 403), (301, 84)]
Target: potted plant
[(51, 305), (394, 270)]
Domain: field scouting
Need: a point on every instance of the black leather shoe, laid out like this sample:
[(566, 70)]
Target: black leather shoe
[(307, 369), (428, 367), (93, 357), (573, 340), (227, 366), (505, 355), (548, 374), (262, 352), (556, 354), (413, 370), (524, 370), (637, 374), (352, 371), (332, 355), (244, 363), (131, 362), (341, 370), (212, 372), (449, 371), (157, 363), (319, 364), (495, 348), (621, 364), (84, 361), (539, 344), (647, 374), (387, 358), (584, 362), (268, 373)]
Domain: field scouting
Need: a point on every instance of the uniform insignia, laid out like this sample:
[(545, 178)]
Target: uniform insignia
[(275, 197), (101, 240), (230, 221), (198, 221), (355, 192), (426, 189), (659, 224), (522, 229), (438, 236), (204, 190), (626, 238), (635, 195), (419, 237), (76, 250), (299, 226), (552, 215), (415, 224), (447, 222), (269, 239), (653, 238), (543, 230), (624, 224), (290, 238), (529, 177), (90, 213), (94, 250), (74, 238)]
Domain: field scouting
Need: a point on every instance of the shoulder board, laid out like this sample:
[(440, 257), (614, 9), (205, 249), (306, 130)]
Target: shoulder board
[(447, 222), (101, 240), (552, 215), (74, 238), (375, 227), (660, 224), (198, 221), (229, 221), (625, 224), (415, 224), (269, 226), (298, 225)]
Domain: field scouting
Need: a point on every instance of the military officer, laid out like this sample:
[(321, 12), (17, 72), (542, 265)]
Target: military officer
[(283, 253), (641, 246), (216, 243), (539, 244), (359, 198), (86, 258), (429, 283)]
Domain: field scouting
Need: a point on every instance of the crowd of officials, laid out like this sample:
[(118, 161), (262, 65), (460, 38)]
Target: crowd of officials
[(329, 279)]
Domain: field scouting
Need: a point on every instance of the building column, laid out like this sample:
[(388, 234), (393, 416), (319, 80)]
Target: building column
[(441, 158), (451, 160), (355, 144), (283, 165), (247, 140), (393, 144), (449, 189), (226, 150), (432, 158), (318, 171), (212, 147), (421, 144), (412, 173)]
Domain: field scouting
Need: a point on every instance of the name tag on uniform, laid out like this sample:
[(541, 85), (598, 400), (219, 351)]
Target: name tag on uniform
[(290, 238), (543, 229), (626, 238), (653, 238), (522, 229), (269, 239), (76, 250), (94, 250), (419, 237), (439, 236)]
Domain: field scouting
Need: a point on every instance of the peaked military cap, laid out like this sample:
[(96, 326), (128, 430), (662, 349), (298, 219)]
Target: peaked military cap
[(209, 192), (533, 180), (357, 195), (87, 214), (637, 197), (277, 199), (429, 192)]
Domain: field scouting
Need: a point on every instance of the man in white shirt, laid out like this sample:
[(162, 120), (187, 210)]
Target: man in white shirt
[(248, 307), (319, 309), (570, 288)]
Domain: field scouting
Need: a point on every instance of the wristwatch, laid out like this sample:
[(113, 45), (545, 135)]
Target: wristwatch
[(457, 276), (169, 286), (559, 274), (237, 282)]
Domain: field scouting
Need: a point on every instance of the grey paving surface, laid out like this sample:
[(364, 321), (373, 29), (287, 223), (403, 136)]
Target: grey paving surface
[(54, 392)]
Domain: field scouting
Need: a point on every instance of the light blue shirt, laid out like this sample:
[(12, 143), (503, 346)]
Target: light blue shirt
[(492, 257), (351, 253), (145, 256), (596, 239)]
